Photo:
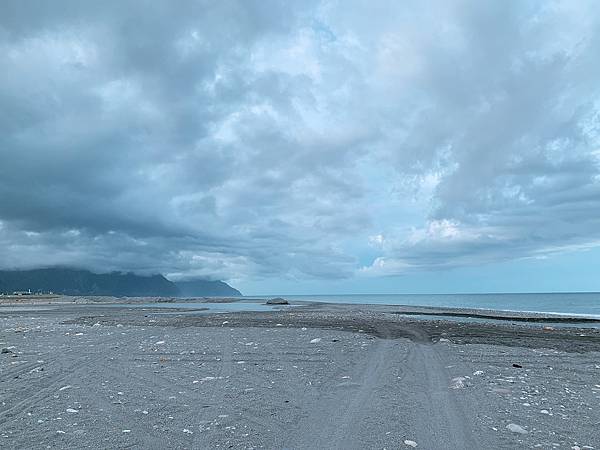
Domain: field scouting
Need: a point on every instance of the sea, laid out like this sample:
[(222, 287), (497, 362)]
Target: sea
[(581, 304)]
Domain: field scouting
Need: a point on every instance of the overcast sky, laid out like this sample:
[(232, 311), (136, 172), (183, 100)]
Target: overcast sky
[(310, 146)]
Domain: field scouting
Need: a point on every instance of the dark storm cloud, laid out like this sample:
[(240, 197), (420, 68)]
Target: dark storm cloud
[(275, 139)]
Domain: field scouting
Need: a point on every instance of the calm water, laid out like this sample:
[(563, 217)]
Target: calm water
[(210, 307), (563, 303), (193, 307)]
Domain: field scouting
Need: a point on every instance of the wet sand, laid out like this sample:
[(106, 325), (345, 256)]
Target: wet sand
[(315, 376)]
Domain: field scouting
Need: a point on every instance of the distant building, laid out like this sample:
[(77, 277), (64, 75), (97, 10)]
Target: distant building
[(27, 292)]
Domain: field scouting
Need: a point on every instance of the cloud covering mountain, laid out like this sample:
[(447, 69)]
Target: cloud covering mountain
[(317, 139)]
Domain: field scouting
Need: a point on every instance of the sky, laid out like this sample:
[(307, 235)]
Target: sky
[(305, 147)]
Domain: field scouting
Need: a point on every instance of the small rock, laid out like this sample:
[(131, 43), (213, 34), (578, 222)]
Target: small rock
[(71, 410), (410, 443), (514, 428), (315, 341), (457, 383)]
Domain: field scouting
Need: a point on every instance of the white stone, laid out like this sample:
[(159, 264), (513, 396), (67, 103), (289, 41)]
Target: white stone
[(457, 383), (514, 428)]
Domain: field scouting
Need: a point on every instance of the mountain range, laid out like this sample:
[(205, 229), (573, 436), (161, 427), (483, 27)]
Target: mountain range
[(68, 281)]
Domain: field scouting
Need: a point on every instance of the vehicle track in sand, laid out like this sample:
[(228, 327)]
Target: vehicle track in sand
[(435, 418), (330, 421), (439, 417)]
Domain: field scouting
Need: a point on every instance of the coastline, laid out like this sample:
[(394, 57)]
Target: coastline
[(424, 310)]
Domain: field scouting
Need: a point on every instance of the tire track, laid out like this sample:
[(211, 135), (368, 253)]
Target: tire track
[(332, 422), (438, 419), (52, 385)]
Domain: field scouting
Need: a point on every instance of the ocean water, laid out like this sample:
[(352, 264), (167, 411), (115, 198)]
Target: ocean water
[(587, 304)]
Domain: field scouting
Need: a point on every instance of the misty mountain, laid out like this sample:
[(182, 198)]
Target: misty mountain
[(83, 282), (199, 288)]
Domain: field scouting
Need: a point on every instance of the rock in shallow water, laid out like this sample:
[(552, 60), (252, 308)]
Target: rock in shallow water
[(277, 301)]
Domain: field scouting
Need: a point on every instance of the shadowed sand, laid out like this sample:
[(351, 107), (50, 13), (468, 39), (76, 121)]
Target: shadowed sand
[(317, 376)]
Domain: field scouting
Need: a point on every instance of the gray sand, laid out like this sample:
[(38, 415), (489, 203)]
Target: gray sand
[(329, 376)]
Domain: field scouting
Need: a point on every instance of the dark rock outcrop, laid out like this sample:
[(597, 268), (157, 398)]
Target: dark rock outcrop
[(202, 288)]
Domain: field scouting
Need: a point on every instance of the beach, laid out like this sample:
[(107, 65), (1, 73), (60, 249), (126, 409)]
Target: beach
[(79, 374)]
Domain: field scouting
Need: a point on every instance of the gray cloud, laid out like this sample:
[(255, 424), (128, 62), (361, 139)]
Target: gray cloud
[(269, 139)]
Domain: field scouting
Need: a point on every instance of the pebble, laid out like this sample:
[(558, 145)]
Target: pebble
[(457, 383), (514, 428)]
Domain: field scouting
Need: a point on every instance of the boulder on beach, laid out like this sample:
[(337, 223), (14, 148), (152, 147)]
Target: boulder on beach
[(277, 301)]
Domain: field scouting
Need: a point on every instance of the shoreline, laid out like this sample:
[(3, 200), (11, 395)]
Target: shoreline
[(432, 312)]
